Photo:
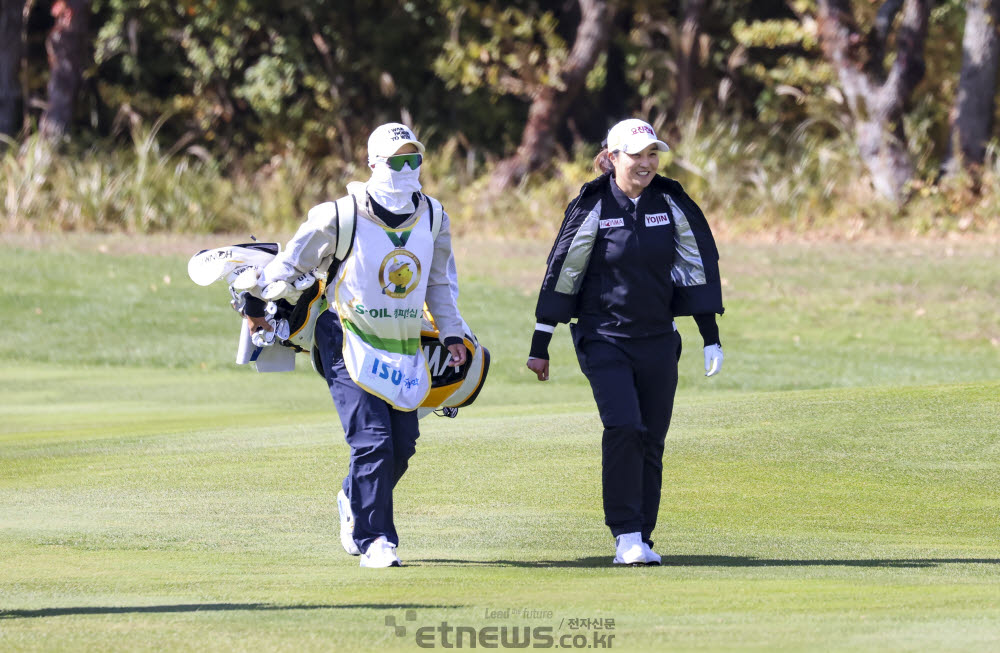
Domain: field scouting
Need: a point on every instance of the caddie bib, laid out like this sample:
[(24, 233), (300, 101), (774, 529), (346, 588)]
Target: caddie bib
[(379, 296)]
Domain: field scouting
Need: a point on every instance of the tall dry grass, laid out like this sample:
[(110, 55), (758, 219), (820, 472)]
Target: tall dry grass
[(806, 181)]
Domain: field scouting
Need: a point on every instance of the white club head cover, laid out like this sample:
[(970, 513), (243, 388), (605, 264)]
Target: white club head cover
[(713, 360), (275, 290), (245, 280), (210, 265)]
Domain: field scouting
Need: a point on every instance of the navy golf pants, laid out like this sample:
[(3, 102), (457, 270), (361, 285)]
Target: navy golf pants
[(634, 381), (382, 439)]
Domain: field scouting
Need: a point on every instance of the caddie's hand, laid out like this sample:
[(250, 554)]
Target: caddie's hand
[(458, 354), (713, 360), (540, 366), (258, 322)]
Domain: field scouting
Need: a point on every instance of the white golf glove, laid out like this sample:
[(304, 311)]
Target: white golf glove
[(713, 360)]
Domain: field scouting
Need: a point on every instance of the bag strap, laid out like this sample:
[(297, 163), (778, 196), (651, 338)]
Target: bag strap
[(435, 222), (347, 224)]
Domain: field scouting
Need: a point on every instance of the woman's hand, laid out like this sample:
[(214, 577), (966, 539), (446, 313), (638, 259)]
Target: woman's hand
[(540, 366)]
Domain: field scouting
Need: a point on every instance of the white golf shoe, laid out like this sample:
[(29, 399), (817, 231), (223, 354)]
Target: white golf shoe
[(630, 549), (346, 524), (380, 553), (649, 556)]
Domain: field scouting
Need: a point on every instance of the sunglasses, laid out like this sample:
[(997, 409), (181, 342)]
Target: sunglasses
[(397, 162)]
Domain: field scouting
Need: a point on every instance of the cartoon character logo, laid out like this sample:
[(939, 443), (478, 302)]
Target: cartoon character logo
[(399, 274)]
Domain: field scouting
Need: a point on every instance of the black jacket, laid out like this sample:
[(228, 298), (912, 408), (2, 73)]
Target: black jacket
[(629, 271)]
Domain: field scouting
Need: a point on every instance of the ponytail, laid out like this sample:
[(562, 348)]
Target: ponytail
[(602, 162)]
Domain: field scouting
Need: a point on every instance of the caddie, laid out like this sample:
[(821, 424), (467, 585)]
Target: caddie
[(368, 342)]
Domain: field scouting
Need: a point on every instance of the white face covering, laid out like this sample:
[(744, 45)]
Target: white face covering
[(394, 190)]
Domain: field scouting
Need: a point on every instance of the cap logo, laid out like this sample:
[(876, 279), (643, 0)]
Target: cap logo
[(399, 133), (643, 129)]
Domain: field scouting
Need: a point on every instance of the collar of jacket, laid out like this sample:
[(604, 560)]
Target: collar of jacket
[(390, 219), (621, 199), (359, 190), (600, 184)]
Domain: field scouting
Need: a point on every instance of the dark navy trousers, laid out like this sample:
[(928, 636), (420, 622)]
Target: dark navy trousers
[(382, 439), (634, 381)]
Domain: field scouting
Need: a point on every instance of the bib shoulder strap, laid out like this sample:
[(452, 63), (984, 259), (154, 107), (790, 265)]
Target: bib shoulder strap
[(436, 212), (347, 219)]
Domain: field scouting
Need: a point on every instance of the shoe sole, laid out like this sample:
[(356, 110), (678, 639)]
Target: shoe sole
[(637, 563), (394, 563)]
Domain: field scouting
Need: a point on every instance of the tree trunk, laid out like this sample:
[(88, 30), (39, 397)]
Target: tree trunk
[(977, 86), (877, 98), (550, 104), (687, 55), (615, 96), (11, 22), (67, 46)]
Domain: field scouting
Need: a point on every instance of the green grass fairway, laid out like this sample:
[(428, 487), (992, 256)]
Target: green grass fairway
[(835, 488)]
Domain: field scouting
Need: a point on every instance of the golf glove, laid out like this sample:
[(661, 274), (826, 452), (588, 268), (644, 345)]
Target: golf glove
[(713, 360)]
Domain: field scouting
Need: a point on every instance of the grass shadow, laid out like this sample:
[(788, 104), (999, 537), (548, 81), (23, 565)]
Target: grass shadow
[(749, 561), (716, 561), (592, 561), (203, 607)]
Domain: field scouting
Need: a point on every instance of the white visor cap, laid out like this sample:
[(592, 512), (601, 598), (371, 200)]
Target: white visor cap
[(388, 138), (633, 136)]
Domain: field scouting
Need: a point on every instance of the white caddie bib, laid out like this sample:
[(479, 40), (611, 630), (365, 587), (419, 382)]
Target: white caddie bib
[(379, 296)]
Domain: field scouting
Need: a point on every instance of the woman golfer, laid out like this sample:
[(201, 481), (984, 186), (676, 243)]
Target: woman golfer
[(633, 253)]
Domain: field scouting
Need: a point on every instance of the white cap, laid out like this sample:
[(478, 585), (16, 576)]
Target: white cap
[(633, 136), (388, 138)]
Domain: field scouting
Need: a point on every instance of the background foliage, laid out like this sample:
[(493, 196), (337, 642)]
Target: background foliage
[(226, 114)]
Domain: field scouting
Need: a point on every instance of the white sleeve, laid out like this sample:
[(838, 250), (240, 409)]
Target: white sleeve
[(314, 242), (442, 285)]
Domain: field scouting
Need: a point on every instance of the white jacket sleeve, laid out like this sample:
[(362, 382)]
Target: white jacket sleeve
[(313, 244), (442, 285)]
